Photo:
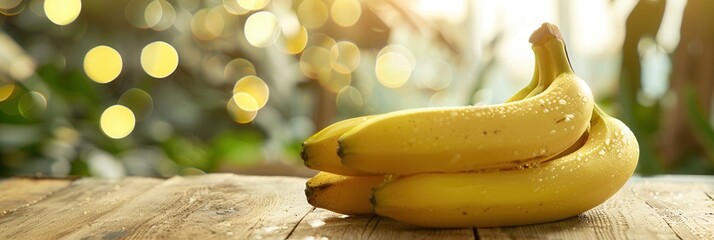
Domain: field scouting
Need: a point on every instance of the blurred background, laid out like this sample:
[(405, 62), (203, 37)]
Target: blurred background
[(184, 87)]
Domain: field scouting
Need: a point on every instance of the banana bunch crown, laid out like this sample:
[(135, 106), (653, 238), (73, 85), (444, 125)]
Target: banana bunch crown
[(547, 153)]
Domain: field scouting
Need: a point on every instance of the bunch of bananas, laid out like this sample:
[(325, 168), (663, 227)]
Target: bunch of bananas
[(546, 154)]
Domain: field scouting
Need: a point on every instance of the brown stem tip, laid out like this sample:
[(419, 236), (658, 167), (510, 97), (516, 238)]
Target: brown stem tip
[(545, 32)]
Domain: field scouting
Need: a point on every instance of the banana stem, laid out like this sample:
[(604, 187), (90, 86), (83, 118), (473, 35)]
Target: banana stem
[(559, 56), (545, 70), (548, 37)]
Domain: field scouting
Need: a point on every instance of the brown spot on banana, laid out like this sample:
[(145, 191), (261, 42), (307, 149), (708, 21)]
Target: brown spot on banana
[(303, 153), (311, 191), (340, 150)]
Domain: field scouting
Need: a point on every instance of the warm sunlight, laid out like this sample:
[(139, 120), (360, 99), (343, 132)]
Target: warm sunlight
[(159, 59), (117, 121), (62, 12), (102, 64)]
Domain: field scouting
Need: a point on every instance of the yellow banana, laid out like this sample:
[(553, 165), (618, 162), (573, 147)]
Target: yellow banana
[(478, 137), (480, 166), (341, 194), (550, 50), (553, 190), (319, 151)]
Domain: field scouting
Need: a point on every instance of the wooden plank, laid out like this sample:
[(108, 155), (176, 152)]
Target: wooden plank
[(687, 208), (223, 206), (71, 208), (638, 211), (324, 224), (21, 192), (227, 206)]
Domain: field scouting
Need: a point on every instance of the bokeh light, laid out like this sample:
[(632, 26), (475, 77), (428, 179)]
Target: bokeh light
[(208, 24), (159, 15), (312, 13), (102, 64), (117, 121), (238, 68), (333, 80), (289, 23), (9, 4), (11, 7), (254, 87), (315, 61), (32, 104), (393, 70), (139, 101), (344, 56), (290, 67), (261, 29), (6, 91), (238, 114), (294, 44), (234, 8), (321, 40), (402, 50), (346, 12), (246, 102), (159, 59), (252, 4), (349, 99), (62, 12)]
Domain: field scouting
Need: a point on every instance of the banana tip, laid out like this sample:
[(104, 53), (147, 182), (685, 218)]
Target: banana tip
[(545, 32), (340, 150), (303, 153)]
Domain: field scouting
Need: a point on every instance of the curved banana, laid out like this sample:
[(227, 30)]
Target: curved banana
[(553, 190), (319, 151), (480, 166), (476, 137), (550, 50), (341, 194)]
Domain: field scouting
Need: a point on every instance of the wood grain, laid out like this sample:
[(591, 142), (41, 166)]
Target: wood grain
[(228, 206), (643, 209), (687, 209), (22, 192), (324, 224), (71, 208)]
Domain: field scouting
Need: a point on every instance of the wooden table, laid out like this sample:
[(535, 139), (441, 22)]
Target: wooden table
[(227, 206)]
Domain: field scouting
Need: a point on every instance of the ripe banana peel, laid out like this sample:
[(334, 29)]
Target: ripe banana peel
[(479, 166), (553, 190), (319, 151), (471, 138), (342, 194)]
